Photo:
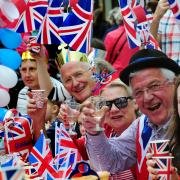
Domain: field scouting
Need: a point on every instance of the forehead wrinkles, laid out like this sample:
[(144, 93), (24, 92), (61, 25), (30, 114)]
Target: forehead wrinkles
[(145, 77)]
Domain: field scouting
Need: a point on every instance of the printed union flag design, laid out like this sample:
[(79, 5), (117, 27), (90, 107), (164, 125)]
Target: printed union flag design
[(48, 32), (32, 17), (159, 148), (163, 165), (76, 30), (41, 159), (130, 24), (12, 174), (18, 135), (175, 7)]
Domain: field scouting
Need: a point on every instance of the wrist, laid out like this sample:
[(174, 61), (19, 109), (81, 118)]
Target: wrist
[(93, 133)]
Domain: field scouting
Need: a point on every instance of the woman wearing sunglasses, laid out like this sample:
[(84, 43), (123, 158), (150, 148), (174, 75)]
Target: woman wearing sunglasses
[(122, 111), (122, 108)]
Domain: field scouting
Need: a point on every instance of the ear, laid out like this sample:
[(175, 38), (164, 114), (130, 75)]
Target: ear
[(135, 104), (55, 109)]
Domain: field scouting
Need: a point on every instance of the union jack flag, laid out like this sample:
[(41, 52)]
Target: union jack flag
[(144, 133), (135, 30), (159, 148), (66, 152), (32, 17), (48, 32), (18, 134), (12, 161), (175, 7), (76, 28), (12, 174), (41, 159), (163, 165)]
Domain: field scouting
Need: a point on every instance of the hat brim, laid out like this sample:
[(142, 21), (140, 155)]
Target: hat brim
[(159, 62)]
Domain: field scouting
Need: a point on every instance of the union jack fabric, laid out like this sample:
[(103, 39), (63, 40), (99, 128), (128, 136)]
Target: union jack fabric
[(143, 136), (32, 17), (137, 32), (10, 162), (76, 30), (12, 174), (175, 7), (48, 32), (159, 148), (163, 165), (18, 133), (41, 159), (66, 152)]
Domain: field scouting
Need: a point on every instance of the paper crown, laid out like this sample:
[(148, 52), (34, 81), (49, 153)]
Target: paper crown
[(65, 55), (26, 55)]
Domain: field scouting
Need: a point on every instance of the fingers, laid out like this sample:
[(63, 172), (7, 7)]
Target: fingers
[(63, 112), (174, 173), (149, 156), (150, 167)]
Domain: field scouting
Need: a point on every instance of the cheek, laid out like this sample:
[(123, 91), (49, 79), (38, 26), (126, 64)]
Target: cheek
[(179, 108)]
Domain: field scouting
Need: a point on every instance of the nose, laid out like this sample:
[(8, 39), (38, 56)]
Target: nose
[(114, 108), (27, 73), (147, 95), (74, 82)]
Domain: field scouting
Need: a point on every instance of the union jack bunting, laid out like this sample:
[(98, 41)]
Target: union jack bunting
[(137, 32), (175, 7), (32, 17), (163, 165), (159, 148), (41, 159), (12, 174), (76, 30), (48, 32), (18, 134), (66, 152)]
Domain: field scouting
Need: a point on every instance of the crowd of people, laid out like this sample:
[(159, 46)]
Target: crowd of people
[(141, 99)]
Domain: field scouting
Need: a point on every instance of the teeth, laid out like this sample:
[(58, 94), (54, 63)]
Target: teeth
[(154, 107)]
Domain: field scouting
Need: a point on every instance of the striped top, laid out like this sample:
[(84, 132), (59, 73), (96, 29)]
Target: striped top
[(23, 98)]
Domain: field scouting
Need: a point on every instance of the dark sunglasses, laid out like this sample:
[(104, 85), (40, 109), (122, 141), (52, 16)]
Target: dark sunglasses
[(121, 102)]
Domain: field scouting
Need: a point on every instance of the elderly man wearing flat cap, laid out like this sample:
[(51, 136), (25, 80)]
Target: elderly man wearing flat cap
[(151, 75)]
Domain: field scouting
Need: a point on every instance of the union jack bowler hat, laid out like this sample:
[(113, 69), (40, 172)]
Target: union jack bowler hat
[(147, 58)]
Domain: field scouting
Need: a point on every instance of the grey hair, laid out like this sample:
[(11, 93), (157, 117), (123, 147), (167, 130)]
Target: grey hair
[(118, 83), (168, 74)]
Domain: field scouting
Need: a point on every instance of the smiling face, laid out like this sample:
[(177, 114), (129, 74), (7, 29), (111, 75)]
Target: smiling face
[(119, 119), (77, 80), (158, 104), (29, 74)]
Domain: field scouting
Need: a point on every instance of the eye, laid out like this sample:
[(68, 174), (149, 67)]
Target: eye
[(154, 87), (78, 75), (67, 81), (32, 69), (23, 70), (138, 93)]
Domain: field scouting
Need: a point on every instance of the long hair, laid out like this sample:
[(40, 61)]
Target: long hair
[(176, 149), (176, 114)]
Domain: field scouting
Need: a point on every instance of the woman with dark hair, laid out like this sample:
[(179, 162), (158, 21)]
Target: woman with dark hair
[(174, 142)]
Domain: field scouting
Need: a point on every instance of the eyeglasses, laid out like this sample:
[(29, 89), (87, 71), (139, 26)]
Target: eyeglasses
[(121, 102), (151, 88)]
